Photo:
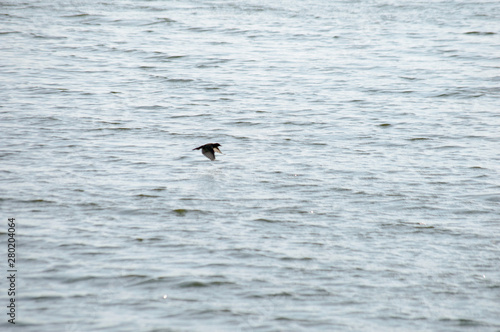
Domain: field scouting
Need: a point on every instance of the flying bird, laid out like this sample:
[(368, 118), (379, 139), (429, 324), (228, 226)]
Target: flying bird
[(208, 150)]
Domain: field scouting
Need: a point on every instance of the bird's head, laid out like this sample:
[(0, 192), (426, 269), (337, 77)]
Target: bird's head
[(216, 147)]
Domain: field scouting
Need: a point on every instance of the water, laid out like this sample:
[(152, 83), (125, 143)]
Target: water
[(359, 187)]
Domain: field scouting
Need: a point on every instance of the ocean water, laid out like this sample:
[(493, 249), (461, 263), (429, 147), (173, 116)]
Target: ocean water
[(359, 189)]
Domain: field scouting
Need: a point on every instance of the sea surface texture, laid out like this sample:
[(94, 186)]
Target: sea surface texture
[(359, 189)]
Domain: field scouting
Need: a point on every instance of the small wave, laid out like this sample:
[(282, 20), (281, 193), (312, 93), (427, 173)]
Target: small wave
[(200, 284), (179, 80), (45, 297), (461, 93), (160, 189), (35, 35), (163, 20), (8, 32), (77, 15), (146, 196), (39, 201), (180, 212), (418, 139), (272, 221), (166, 57), (480, 33), (464, 322), (198, 29)]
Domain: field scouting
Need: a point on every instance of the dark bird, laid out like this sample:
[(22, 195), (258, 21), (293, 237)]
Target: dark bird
[(208, 150)]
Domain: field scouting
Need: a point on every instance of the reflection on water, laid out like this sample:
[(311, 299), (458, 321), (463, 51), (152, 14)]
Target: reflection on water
[(358, 188)]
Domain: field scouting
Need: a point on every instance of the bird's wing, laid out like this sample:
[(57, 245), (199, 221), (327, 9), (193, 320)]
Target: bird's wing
[(208, 153), (217, 150)]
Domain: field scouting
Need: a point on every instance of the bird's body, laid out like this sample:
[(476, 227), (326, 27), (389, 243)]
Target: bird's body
[(209, 149)]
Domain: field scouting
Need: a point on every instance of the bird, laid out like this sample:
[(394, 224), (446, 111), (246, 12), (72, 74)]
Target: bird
[(208, 150)]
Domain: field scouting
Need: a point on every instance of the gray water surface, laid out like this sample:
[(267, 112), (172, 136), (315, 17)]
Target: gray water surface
[(359, 188)]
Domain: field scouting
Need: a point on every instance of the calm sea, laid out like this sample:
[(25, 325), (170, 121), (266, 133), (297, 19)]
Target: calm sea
[(359, 189)]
